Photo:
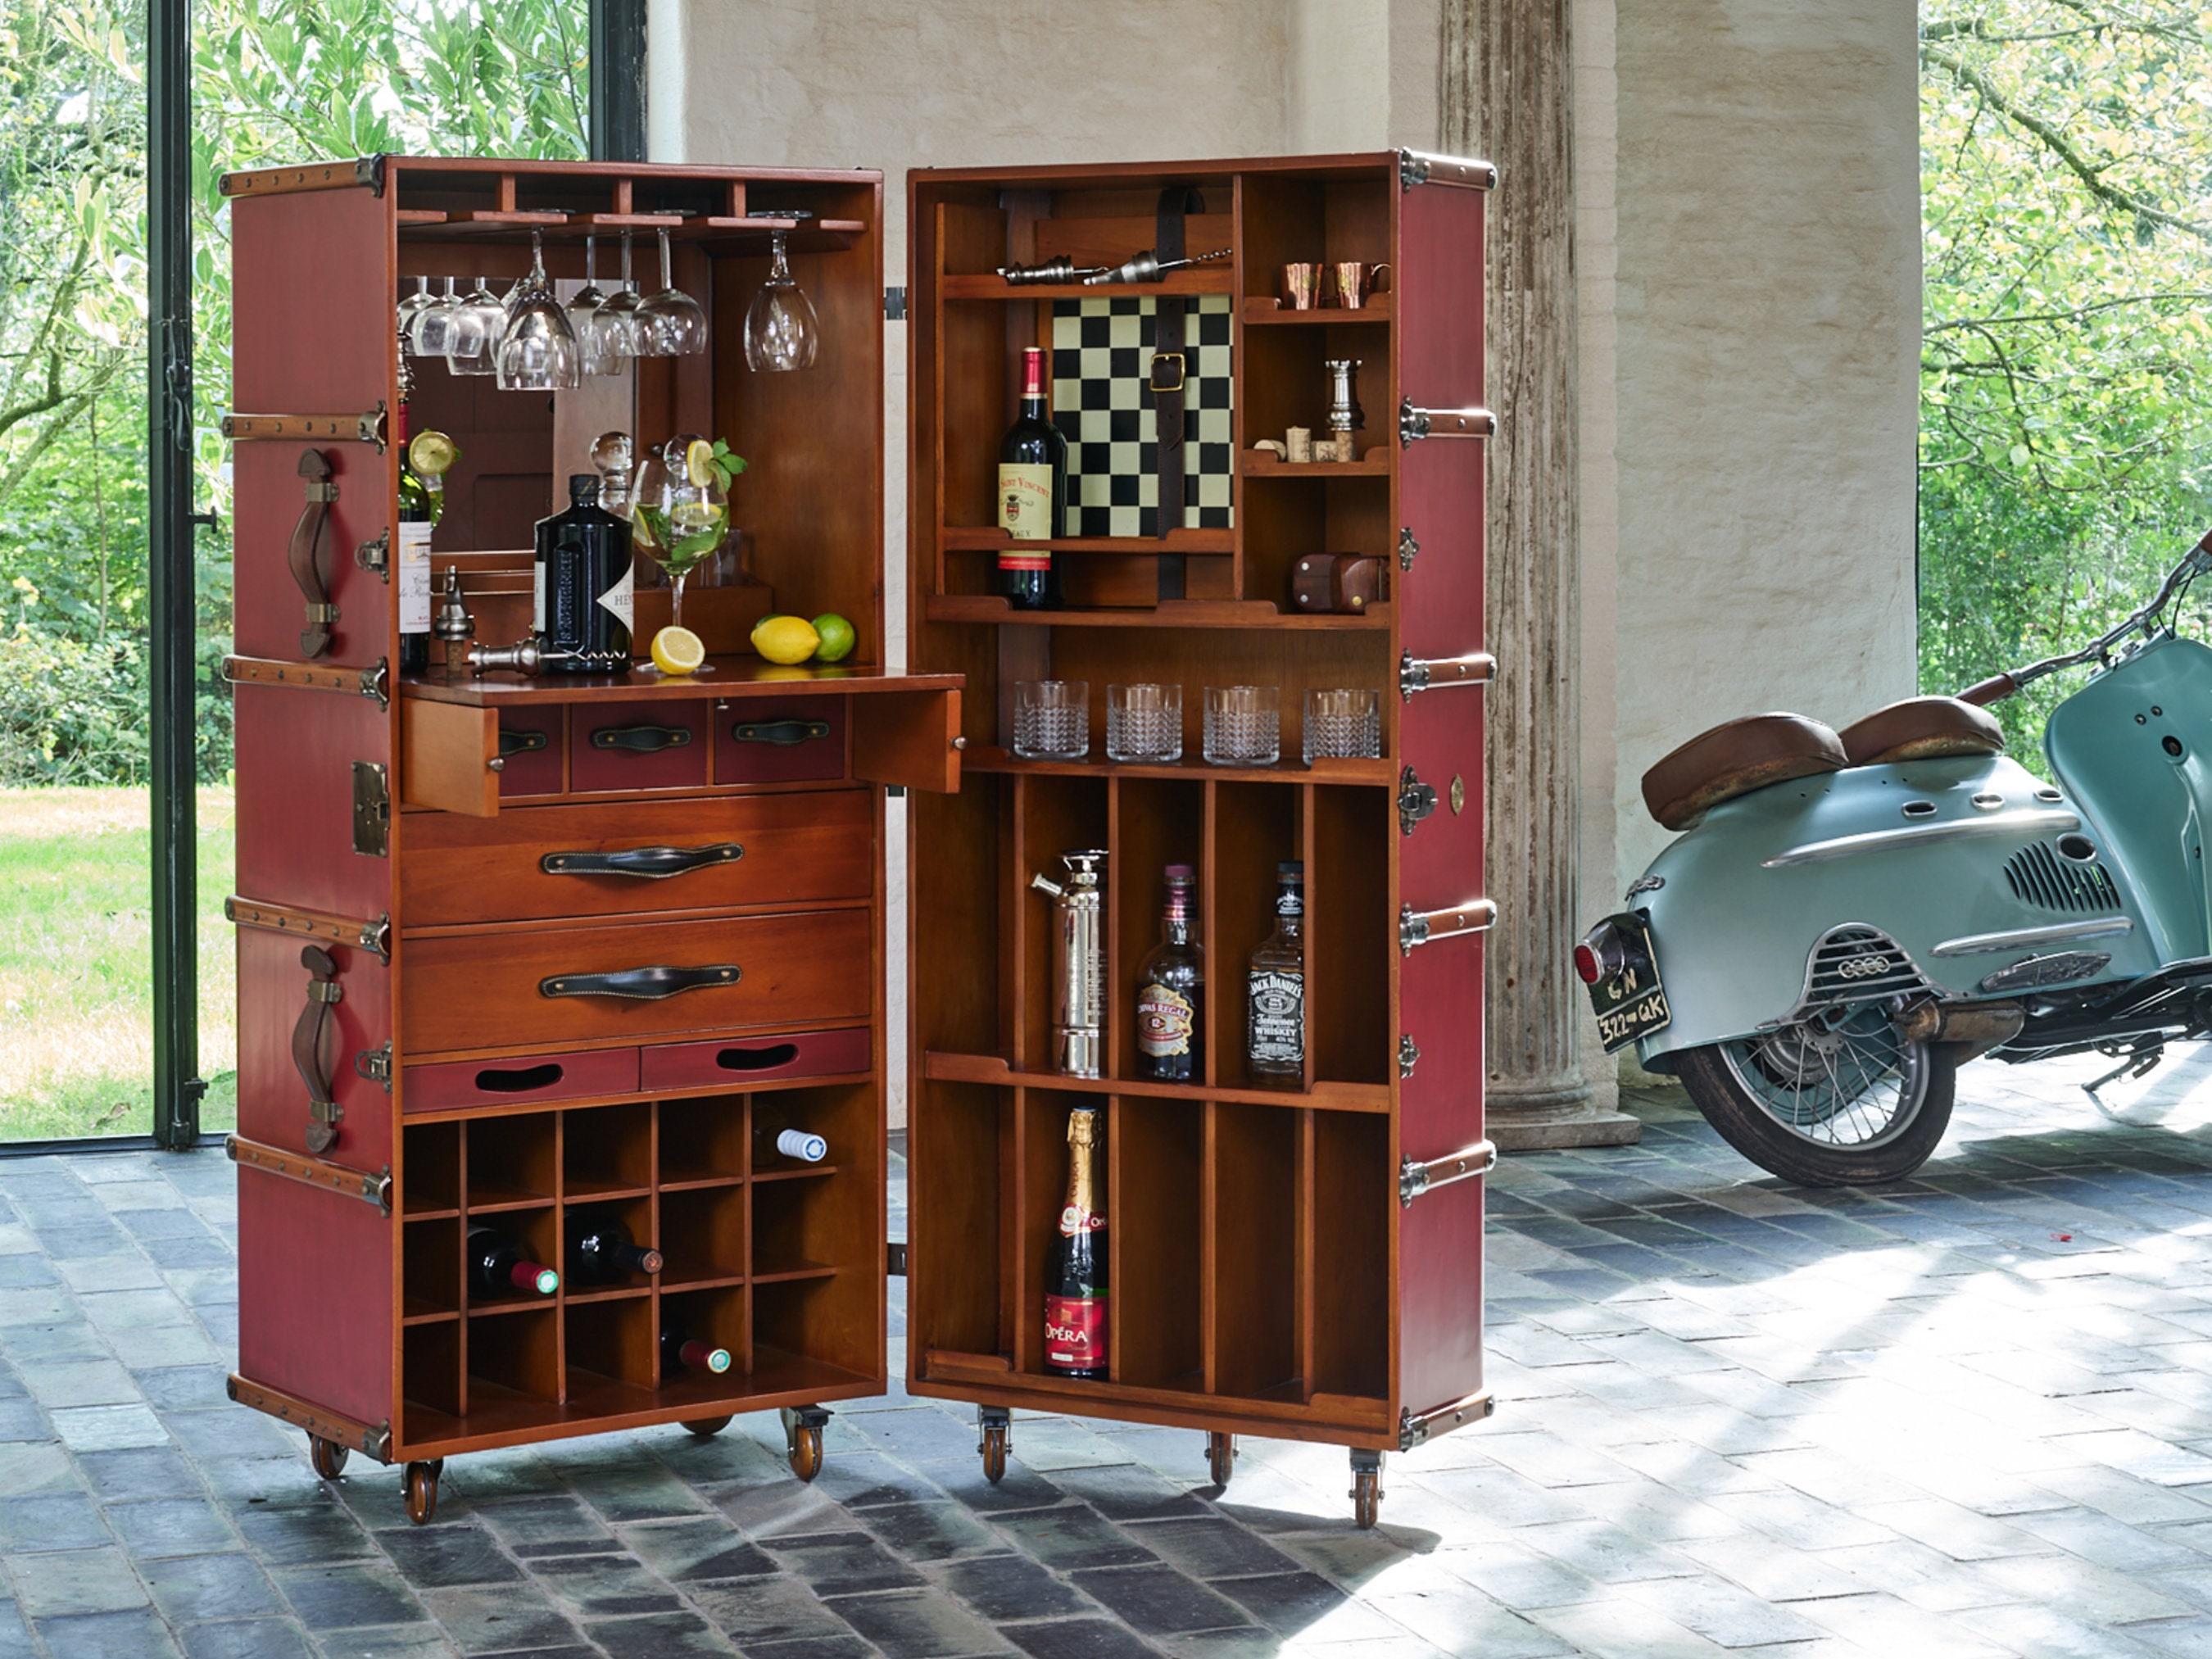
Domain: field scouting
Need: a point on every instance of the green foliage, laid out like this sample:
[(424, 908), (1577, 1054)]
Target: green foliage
[(70, 712), (2066, 370)]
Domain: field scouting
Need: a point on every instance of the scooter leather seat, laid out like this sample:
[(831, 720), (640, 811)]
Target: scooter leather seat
[(1735, 758), (1922, 728)]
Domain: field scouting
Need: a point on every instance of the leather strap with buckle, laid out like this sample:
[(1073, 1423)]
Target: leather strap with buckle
[(1167, 387)]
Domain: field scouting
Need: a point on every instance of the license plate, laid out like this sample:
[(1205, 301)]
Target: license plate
[(1632, 1004)]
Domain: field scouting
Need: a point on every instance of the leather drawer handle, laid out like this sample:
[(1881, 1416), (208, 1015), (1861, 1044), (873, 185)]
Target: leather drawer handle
[(520, 743), (641, 739), (784, 734), (525, 1080), (640, 984), (647, 863)]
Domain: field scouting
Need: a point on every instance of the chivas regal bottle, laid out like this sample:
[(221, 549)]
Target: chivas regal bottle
[(1171, 989)]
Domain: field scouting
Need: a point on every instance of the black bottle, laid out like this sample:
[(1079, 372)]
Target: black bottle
[(498, 1267), (583, 577), (680, 1353), (602, 1252)]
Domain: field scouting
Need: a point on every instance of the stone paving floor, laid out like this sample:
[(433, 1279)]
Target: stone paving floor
[(1970, 1415)]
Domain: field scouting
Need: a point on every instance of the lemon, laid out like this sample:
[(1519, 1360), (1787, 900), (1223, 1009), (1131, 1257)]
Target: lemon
[(837, 637), (431, 453), (678, 651), (699, 462), (785, 638)]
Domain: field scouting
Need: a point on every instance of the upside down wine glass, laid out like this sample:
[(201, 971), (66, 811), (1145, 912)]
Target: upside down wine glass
[(781, 332)]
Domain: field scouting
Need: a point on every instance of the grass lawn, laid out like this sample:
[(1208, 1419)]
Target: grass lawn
[(76, 970)]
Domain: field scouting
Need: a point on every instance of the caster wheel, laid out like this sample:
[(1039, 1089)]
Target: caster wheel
[(993, 1448), (420, 1486), (1366, 1496), (707, 1426), (330, 1457), (1220, 1456), (807, 1451)]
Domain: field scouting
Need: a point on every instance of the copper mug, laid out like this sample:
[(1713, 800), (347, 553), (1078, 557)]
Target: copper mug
[(1302, 286), (1351, 281)]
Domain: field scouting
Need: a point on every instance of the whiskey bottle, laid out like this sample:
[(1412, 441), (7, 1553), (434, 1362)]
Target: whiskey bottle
[(1171, 989), (681, 1352), (1275, 991), (1075, 1327), (602, 1252), (498, 1267)]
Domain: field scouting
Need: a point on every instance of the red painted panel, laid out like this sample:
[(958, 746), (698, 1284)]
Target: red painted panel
[(533, 771), (530, 1077), (1440, 366), (314, 1295), (591, 767), (270, 609), (295, 753), (311, 286), (756, 762), (1440, 1296), (272, 1100), (740, 1061)]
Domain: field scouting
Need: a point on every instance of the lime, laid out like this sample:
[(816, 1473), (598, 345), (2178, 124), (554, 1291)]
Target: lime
[(699, 462), (785, 638), (430, 452), (837, 637), (678, 651)]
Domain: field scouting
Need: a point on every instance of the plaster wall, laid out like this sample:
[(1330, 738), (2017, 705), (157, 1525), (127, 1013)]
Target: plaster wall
[(1767, 307)]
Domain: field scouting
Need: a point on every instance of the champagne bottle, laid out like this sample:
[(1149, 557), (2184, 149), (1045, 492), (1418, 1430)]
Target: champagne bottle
[(680, 1352), (601, 1250), (1275, 990), (1075, 1325), (584, 574), (1170, 988), (1032, 496), (498, 1267)]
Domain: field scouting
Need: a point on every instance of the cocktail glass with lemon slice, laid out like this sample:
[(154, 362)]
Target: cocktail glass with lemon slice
[(681, 510)]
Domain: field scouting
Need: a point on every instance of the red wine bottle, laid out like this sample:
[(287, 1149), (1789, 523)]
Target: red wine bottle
[(602, 1252), (1032, 497), (1075, 1329), (1171, 991), (680, 1352), (497, 1266)]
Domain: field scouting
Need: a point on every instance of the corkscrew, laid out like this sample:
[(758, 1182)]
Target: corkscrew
[(1145, 268), (531, 656)]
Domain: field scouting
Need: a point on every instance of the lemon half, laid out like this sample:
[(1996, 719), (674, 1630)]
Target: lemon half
[(678, 651)]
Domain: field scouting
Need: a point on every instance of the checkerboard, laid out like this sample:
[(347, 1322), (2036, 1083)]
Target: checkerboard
[(1102, 400)]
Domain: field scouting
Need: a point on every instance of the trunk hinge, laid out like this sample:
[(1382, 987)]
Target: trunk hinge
[(1434, 673), (1415, 1177), (1412, 1430), (312, 924), (1417, 927), (1415, 424), (1418, 168)]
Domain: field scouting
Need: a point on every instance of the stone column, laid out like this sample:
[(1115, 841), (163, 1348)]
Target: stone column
[(1504, 79)]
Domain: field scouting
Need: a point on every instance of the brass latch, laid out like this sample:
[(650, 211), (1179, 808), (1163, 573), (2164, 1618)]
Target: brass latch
[(374, 1066), (376, 554), (1409, 1053), (1408, 549), (1416, 799)]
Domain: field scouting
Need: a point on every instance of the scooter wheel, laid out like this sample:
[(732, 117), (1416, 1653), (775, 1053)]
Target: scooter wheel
[(1786, 1112)]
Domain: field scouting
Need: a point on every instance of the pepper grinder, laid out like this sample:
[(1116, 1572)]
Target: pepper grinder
[(453, 625)]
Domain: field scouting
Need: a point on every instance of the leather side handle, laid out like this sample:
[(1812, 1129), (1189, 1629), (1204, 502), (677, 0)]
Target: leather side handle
[(1996, 688), (641, 984), (784, 735), (323, 990), (641, 739), (307, 543), (647, 863)]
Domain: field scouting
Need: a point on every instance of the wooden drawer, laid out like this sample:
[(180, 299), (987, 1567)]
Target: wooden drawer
[(659, 744), (534, 1077), (736, 1063), (533, 863), (529, 751), (474, 991), (757, 740)]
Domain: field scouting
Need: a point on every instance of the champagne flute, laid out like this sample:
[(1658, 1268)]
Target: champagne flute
[(781, 332)]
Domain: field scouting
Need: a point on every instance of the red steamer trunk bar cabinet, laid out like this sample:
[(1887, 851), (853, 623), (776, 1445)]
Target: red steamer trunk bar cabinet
[(430, 867)]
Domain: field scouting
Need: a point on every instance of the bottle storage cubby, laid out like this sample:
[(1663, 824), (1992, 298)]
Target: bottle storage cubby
[(1302, 1260), (697, 1179)]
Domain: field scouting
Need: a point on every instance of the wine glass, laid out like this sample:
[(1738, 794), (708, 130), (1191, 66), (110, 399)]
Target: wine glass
[(538, 352), (614, 324), (680, 511), (781, 329), (477, 331), (430, 332), (410, 308), (581, 308), (671, 323)]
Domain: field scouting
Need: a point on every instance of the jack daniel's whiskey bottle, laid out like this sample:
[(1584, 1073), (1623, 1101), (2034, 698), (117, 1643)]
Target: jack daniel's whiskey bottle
[(1275, 991), (1075, 1339)]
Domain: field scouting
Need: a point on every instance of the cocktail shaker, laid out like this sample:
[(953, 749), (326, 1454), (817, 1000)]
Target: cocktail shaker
[(1079, 963)]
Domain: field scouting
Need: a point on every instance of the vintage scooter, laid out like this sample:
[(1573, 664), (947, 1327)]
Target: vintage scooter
[(1848, 916)]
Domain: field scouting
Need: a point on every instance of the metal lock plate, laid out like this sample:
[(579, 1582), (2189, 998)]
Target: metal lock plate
[(372, 810), (374, 1066), (1407, 548), (1409, 1053), (1416, 799), (376, 555)]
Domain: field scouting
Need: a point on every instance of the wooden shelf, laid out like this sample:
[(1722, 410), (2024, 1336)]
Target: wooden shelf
[(605, 1293), (991, 1371), (1268, 312), (1384, 771), (1265, 463), (989, 609), (733, 677), (998, 1071), (990, 538), (483, 1196), (583, 1189), (717, 233), (793, 1271), (795, 1171), (413, 1311), (1193, 279)]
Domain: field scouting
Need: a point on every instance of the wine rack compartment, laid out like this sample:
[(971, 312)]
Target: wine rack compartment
[(698, 1179)]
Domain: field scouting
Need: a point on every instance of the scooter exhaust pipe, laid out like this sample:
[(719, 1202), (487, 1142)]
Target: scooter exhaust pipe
[(1978, 1027)]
